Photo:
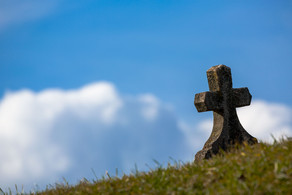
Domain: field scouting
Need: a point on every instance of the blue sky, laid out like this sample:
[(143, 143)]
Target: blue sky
[(140, 54)]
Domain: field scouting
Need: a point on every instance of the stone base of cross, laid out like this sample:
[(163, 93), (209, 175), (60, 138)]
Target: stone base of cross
[(222, 99)]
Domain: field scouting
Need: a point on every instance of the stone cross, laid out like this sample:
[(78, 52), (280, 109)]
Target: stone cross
[(222, 99)]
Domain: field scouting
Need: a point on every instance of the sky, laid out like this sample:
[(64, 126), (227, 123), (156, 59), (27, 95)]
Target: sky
[(89, 87)]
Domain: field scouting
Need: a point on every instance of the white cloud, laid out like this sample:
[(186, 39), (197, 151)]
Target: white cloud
[(55, 133), (27, 120), (263, 120), (17, 11)]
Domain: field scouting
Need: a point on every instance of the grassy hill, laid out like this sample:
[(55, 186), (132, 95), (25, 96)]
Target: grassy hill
[(258, 169)]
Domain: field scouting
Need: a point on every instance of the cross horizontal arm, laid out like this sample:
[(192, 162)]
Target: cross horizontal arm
[(241, 97), (208, 101)]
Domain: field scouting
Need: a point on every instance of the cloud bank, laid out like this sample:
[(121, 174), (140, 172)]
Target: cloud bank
[(58, 133), (54, 133)]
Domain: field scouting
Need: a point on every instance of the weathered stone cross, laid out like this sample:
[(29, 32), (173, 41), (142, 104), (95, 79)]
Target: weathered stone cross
[(222, 99)]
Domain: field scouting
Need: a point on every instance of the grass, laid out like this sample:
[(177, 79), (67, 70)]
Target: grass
[(257, 169)]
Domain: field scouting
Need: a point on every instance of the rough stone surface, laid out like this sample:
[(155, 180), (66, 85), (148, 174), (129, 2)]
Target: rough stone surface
[(222, 99)]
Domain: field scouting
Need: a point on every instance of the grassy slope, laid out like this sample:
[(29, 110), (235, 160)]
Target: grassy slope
[(258, 169)]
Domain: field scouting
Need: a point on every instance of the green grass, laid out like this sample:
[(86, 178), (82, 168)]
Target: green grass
[(257, 169)]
